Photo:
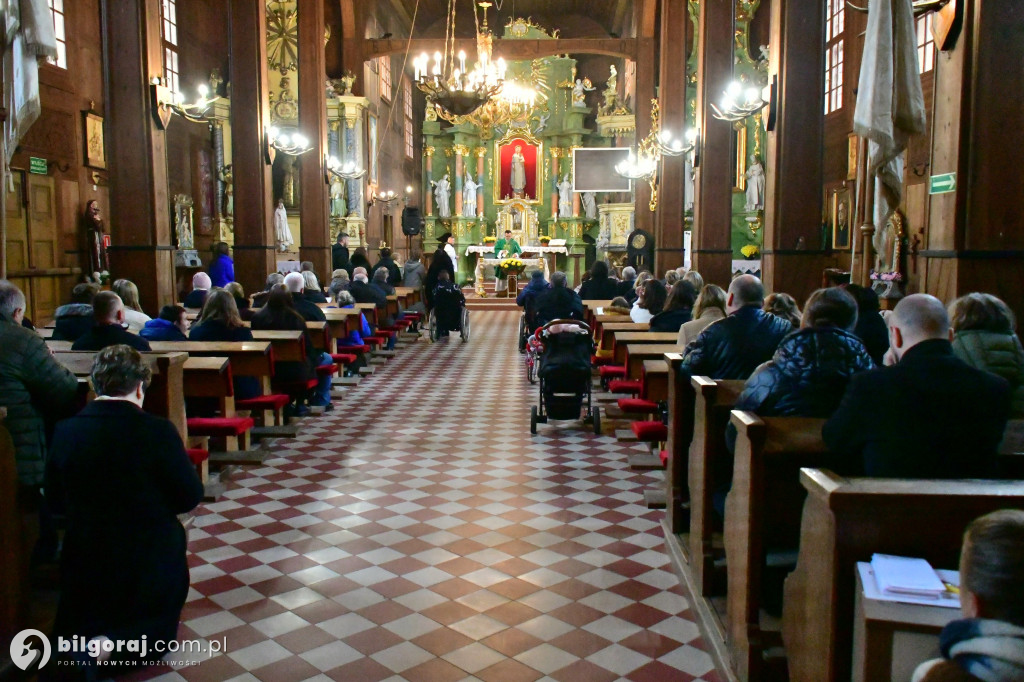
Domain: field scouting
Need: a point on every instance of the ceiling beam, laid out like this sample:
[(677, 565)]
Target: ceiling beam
[(510, 49)]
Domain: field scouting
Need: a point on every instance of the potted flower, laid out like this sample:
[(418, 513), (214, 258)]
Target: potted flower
[(545, 240), (512, 266), (750, 251), (489, 240)]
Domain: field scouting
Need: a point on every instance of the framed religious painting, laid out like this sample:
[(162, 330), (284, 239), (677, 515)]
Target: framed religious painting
[(371, 147), (851, 156), (841, 219), (739, 156), (518, 168), (95, 154)]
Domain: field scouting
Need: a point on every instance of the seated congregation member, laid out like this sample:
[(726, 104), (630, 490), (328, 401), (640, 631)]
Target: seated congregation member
[(871, 327), (449, 301), (133, 315), (600, 286), (355, 337), (784, 306), (241, 302), (108, 326), (618, 306), (984, 337), (625, 287), (670, 279), (220, 321), (310, 311), (359, 260), (988, 642), (931, 415), (650, 301), (339, 282), (558, 302), (415, 273), (694, 278), (364, 292), (678, 309), (273, 279), (527, 298), (222, 268), (121, 476), (280, 314), (733, 347), (634, 296), (311, 288), (171, 325), (709, 307), (200, 286), (75, 318), (380, 281), (394, 276)]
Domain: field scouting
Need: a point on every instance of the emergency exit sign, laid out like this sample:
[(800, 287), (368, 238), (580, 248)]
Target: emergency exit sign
[(942, 184), (36, 165)]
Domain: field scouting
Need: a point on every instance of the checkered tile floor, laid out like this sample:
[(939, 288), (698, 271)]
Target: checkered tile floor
[(419, 532)]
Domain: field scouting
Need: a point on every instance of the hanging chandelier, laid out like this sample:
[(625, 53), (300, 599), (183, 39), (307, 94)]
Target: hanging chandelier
[(448, 85), (738, 103), (642, 164), (518, 98)]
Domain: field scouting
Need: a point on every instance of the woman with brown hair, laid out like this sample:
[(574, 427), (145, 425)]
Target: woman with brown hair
[(710, 307), (133, 315), (678, 310), (241, 302), (220, 321), (984, 338), (784, 306)]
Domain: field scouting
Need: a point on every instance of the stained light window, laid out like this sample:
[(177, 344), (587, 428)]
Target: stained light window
[(835, 27), (59, 30), (169, 37)]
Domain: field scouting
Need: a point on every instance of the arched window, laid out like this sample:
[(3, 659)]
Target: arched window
[(835, 16)]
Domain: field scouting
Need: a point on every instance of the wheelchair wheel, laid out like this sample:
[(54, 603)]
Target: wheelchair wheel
[(596, 419), (464, 332), (533, 420), (432, 326), (522, 334)]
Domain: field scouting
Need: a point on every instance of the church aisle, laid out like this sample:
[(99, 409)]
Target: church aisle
[(419, 532)]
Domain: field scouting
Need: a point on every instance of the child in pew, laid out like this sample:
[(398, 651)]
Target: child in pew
[(988, 644)]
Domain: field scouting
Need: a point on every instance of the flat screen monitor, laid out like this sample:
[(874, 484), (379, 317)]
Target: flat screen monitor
[(594, 169)]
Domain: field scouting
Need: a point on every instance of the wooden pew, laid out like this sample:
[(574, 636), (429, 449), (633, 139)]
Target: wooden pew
[(762, 510), (14, 558), (847, 520), (605, 334), (248, 358), (636, 353), (289, 345)]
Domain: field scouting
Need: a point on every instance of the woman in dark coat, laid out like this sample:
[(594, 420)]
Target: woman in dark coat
[(678, 310), (440, 261), (600, 287), (121, 476), (358, 260), (220, 321)]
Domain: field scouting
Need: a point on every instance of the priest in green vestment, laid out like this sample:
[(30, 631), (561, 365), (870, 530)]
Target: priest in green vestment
[(510, 247)]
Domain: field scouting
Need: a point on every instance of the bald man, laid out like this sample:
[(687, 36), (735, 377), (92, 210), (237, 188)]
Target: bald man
[(929, 415), (733, 348), (108, 326)]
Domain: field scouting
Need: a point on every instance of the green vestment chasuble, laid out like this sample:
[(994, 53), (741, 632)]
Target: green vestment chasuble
[(511, 245)]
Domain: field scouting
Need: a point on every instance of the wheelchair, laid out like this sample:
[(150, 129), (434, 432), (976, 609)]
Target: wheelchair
[(444, 318)]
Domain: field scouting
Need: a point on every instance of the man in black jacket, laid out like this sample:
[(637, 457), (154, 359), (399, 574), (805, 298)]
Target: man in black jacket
[(388, 263), (108, 328), (303, 306), (930, 415), (339, 253), (558, 302), (75, 319), (732, 348)]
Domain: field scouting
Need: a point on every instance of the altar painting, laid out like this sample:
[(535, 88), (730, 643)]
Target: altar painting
[(506, 151)]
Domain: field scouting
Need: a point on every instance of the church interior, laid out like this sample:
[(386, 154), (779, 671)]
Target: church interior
[(430, 523)]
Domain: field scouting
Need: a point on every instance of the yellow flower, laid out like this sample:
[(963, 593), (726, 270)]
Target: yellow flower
[(749, 251)]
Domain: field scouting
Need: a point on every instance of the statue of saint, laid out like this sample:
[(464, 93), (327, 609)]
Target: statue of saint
[(282, 233), (579, 91), (469, 197), (518, 176), (186, 240), (98, 261), (338, 208), (589, 205), (227, 176), (611, 92), (442, 195), (565, 197), (755, 184)]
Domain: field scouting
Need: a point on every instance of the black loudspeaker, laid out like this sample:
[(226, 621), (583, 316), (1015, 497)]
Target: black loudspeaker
[(412, 221)]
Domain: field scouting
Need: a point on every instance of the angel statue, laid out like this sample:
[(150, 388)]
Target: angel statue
[(442, 195), (346, 82), (580, 90)]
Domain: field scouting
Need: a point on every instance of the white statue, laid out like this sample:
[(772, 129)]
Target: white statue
[(542, 123), (688, 186), (755, 184), (337, 198), (589, 205), (442, 195), (282, 233), (579, 90), (565, 197), (518, 177), (469, 197), (604, 239)]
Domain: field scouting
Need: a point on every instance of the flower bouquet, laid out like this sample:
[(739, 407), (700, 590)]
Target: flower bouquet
[(489, 240), (750, 251), (512, 266), (100, 278), (545, 240), (886, 276)]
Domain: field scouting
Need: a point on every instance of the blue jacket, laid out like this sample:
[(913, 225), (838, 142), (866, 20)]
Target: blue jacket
[(222, 270), (732, 348), (161, 330), (534, 288)]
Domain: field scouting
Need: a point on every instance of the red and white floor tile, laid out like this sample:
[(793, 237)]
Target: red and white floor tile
[(419, 532)]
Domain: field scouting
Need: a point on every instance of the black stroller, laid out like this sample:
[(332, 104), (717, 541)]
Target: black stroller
[(565, 375)]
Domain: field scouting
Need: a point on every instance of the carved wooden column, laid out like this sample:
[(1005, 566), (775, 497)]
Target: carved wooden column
[(972, 240), (250, 114), (481, 152), (140, 227), (792, 259), (428, 191), (313, 200), (668, 226), (712, 206)]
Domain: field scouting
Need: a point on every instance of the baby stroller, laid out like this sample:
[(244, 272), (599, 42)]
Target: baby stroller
[(448, 314), (565, 374)]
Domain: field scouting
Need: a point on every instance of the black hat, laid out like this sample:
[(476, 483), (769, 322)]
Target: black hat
[(444, 237)]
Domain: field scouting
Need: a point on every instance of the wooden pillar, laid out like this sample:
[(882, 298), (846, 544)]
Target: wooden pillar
[(313, 207), (481, 152), (712, 206), (352, 27), (646, 67), (792, 259), (428, 191), (668, 226), (140, 226), (250, 114), (973, 241)]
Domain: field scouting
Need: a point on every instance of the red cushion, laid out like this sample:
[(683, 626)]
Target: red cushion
[(600, 360), (384, 333), (411, 315), (373, 340), (354, 349), (650, 431), (274, 401), (219, 426), (663, 456), (610, 371), (291, 386), (197, 455), (327, 369), (637, 405), (343, 358), (625, 386)]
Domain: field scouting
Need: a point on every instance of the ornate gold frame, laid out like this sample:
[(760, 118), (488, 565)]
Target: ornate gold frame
[(510, 134)]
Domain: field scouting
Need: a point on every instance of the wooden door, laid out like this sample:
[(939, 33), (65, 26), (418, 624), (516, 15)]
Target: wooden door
[(33, 244), (17, 236)]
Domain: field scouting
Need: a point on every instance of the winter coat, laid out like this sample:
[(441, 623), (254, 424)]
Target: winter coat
[(222, 270), (104, 335), (874, 332), (215, 330), (34, 387), (310, 311), (732, 348), (670, 320), (162, 330), (71, 321), (415, 273), (692, 329), (534, 288), (339, 257), (599, 289), (195, 298), (558, 303), (1000, 354), (394, 272)]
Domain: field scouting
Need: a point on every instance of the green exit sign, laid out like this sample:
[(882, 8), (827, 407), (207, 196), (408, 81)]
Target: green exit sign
[(36, 165), (942, 184)]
